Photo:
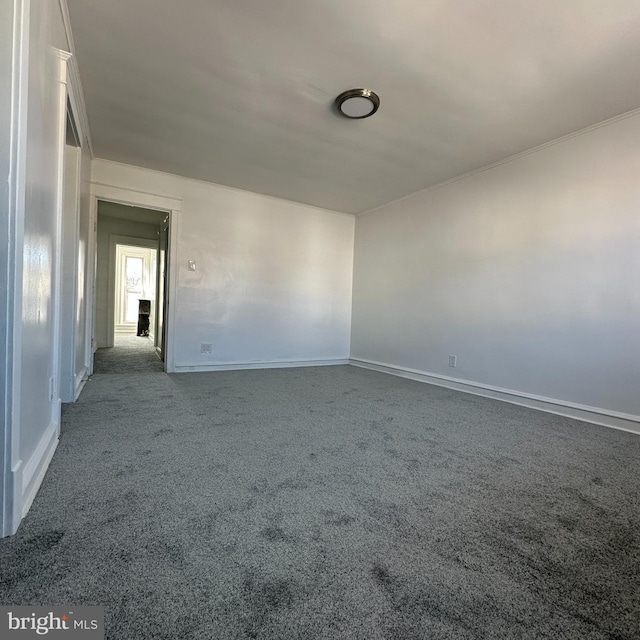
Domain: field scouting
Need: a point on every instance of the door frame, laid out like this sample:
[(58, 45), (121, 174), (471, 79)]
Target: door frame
[(69, 380), (144, 200), (114, 241)]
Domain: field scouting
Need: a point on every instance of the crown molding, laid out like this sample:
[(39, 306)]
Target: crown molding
[(74, 79)]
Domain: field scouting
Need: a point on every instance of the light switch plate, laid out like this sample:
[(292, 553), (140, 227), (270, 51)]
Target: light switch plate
[(192, 265)]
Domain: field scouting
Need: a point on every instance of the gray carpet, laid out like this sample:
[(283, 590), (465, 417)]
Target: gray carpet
[(330, 503), (129, 354)]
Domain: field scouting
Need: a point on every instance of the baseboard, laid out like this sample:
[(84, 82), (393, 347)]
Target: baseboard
[(595, 415), (273, 364), (35, 468), (81, 379), (13, 505)]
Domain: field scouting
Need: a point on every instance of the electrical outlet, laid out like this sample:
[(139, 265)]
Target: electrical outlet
[(205, 347), (453, 361)]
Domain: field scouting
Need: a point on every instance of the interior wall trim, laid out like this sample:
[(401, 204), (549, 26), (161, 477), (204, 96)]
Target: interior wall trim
[(173, 206), (74, 78), (81, 379), (595, 415), (34, 470), (61, 352), (270, 364), (168, 202)]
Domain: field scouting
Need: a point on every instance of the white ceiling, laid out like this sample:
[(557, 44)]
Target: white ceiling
[(240, 92)]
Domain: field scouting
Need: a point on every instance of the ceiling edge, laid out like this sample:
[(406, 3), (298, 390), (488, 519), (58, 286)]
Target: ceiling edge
[(222, 186), (544, 145)]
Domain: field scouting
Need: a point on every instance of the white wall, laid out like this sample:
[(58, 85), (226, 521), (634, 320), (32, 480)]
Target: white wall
[(273, 279), (7, 241), (40, 413), (38, 97), (108, 226), (527, 271)]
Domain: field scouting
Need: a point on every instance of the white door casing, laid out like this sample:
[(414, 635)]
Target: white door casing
[(130, 286), (145, 200)]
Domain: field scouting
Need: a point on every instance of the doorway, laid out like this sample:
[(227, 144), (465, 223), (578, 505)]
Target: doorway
[(132, 272), (135, 290)]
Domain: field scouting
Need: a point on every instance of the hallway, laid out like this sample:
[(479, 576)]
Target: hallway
[(130, 354)]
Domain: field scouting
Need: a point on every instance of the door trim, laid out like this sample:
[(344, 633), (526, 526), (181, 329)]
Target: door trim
[(144, 200), (114, 241)]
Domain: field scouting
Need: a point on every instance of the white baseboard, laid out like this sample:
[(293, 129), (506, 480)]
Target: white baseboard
[(273, 364), (13, 507), (35, 468), (595, 415), (81, 379)]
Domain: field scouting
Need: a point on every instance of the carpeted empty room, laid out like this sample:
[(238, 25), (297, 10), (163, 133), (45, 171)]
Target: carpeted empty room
[(330, 502)]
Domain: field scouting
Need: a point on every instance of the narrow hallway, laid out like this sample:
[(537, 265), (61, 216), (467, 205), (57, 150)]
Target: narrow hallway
[(130, 354)]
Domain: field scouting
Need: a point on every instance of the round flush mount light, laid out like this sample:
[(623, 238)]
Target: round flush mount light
[(357, 103)]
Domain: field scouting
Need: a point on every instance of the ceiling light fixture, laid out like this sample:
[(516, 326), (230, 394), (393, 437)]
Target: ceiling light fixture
[(357, 103)]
